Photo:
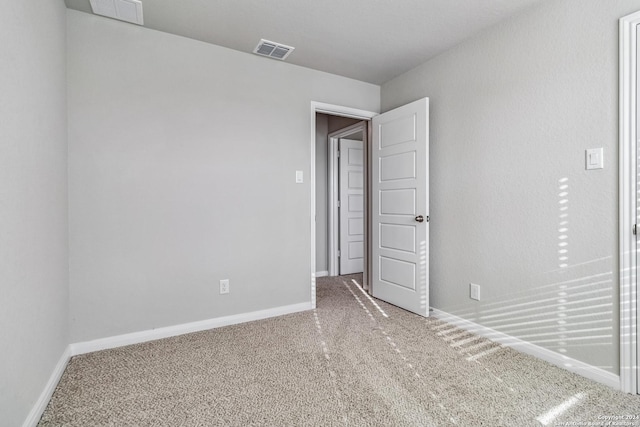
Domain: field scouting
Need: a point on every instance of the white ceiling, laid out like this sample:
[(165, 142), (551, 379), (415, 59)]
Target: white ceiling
[(368, 40)]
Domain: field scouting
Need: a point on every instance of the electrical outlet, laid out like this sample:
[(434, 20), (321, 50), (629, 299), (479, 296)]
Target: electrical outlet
[(474, 291), (224, 286)]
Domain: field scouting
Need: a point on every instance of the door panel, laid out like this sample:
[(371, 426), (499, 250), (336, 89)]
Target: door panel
[(356, 203), (400, 192), (351, 180), (398, 237), (398, 131), (355, 179), (356, 250), (398, 166), (396, 272), (354, 156), (355, 227), (398, 202)]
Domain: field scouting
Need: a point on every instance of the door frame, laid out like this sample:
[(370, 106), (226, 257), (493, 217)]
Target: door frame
[(334, 190), (628, 201), (334, 110)]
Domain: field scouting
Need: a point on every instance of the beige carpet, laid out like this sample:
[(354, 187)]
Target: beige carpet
[(344, 364)]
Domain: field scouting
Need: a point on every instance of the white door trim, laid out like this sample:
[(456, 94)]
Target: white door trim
[(335, 110), (628, 205), (332, 229)]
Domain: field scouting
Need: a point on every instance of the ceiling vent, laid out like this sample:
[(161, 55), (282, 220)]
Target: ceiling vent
[(124, 10), (273, 50)]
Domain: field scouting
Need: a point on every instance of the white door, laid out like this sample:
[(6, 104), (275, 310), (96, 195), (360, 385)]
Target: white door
[(400, 207), (351, 182)]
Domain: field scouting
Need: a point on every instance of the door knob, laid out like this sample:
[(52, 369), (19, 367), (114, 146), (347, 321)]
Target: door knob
[(420, 218)]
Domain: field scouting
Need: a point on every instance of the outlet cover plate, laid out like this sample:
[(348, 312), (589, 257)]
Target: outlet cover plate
[(224, 286)]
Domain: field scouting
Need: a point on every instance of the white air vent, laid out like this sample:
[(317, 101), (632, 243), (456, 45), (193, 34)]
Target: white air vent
[(124, 10), (273, 50)]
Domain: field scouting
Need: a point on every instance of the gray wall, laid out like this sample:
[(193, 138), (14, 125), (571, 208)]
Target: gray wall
[(33, 202), (322, 188), (338, 122), (182, 168), (512, 206)]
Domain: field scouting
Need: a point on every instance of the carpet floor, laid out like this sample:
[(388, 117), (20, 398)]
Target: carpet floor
[(354, 361)]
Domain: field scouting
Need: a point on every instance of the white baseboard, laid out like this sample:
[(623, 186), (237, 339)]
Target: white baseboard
[(185, 328), (41, 404), (322, 273), (568, 363)]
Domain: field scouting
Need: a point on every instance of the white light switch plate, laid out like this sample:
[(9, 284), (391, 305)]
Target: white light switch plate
[(299, 177), (474, 291), (594, 158)]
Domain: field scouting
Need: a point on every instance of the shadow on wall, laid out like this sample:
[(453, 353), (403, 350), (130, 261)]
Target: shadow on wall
[(571, 314)]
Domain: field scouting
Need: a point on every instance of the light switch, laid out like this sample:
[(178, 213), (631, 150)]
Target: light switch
[(594, 158), (299, 177)]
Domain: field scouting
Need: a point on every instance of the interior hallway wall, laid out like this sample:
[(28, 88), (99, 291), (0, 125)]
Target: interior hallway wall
[(512, 207), (34, 298), (322, 188)]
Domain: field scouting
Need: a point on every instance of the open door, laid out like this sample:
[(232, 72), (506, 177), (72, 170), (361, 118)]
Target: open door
[(400, 207), (351, 178)]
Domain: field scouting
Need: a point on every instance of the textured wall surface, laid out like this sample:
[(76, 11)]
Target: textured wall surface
[(33, 202), (513, 208), (182, 160), (322, 217)]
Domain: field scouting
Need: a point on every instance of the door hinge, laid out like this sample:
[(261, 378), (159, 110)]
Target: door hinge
[(635, 229), (338, 252), (338, 153), (338, 203)]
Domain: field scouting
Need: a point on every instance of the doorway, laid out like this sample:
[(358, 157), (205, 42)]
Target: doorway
[(395, 181), (331, 132), (341, 117)]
